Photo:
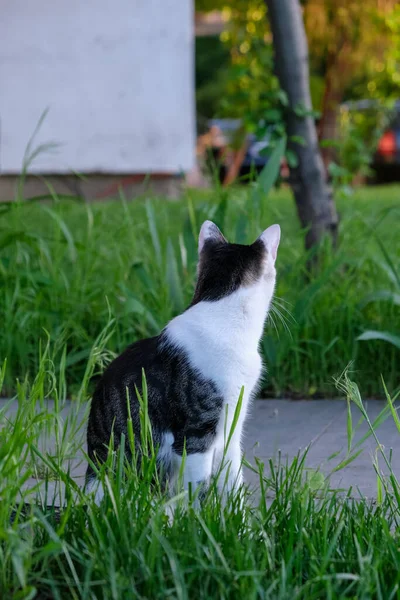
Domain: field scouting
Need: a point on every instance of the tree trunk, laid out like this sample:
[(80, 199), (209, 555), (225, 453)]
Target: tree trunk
[(314, 201)]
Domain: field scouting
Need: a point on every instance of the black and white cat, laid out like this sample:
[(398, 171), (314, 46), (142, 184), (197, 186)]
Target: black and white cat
[(196, 367)]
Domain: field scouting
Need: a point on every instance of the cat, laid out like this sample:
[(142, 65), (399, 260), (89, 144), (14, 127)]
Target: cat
[(195, 368)]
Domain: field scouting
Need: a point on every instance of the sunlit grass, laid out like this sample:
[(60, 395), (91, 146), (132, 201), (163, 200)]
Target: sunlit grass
[(65, 265)]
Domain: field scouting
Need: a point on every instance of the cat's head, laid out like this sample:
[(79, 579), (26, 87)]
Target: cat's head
[(225, 268)]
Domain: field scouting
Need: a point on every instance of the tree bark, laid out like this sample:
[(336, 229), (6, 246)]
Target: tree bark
[(314, 200)]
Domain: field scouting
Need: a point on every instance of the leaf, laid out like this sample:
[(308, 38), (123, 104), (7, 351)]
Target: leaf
[(144, 277), (349, 427), (219, 217), (133, 305), (292, 158), (269, 350), (235, 419), (173, 279), (11, 238), (269, 173), (190, 242), (346, 461), (336, 170), (298, 139), (330, 345), (283, 97), (76, 357), (385, 268), (385, 336), (64, 229), (389, 261), (316, 480), (307, 295), (153, 231), (377, 422), (302, 111), (334, 455), (393, 410), (5, 207), (273, 115), (241, 229), (380, 295), (329, 144)]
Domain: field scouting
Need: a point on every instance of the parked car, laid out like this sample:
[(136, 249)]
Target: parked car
[(224, 134), (386, 162)]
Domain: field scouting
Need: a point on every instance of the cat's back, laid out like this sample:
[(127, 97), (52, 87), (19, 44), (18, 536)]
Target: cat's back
[(120, 380), (126, 369), (180, 398)]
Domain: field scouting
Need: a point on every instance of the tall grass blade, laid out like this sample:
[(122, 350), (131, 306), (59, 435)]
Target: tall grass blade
[(174, 280), (385, 336), (392, 408), (151, 219), (379, 296), (65, 231), (388, 259), (269, 174)]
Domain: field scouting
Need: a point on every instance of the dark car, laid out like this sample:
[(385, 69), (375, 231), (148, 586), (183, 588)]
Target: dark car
[(386, 163)]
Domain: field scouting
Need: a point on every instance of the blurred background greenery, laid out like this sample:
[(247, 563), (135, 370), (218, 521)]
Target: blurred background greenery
[(353, 55)]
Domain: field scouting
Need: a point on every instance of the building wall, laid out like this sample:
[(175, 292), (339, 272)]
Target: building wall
[(116, 78)]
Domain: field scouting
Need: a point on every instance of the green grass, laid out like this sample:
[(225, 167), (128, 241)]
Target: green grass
[(295, 540), (66, 266)]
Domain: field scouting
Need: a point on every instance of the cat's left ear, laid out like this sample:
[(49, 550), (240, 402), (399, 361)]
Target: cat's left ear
[(271, 238), (209, 231)]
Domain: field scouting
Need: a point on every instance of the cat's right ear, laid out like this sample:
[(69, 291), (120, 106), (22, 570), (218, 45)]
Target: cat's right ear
[(209, 231), (271, 238)]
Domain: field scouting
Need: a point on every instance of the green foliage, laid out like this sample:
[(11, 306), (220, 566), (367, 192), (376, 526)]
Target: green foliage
[(268, 175), (393, 62), (252, 93), (234, 75), (379, 77), (252, 86), (340, 35), (65, 274), (390, 294)]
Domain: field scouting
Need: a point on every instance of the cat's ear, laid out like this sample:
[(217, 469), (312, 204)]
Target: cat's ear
[(209, 231), (270, 238)]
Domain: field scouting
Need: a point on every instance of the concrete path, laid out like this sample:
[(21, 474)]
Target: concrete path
[(289, 426), (285, 427)]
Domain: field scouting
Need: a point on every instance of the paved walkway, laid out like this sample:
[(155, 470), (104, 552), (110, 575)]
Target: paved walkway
[(285, 427), (288, 426)]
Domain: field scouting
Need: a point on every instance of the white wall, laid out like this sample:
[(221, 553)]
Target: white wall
[(116, 75)]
